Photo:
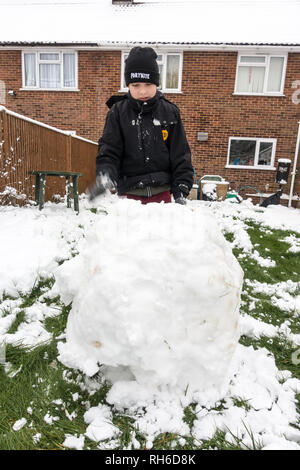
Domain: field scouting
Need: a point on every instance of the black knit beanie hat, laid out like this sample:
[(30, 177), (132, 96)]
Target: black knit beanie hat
[(141, 66)]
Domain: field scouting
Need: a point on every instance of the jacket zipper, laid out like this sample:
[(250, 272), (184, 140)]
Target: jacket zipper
[(140, 135), (139, 130), (141, 146)]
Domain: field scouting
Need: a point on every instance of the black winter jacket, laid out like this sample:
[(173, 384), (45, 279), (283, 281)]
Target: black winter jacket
[(145, 145)]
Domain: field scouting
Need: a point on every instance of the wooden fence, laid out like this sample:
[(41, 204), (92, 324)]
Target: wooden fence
[(28, 145)]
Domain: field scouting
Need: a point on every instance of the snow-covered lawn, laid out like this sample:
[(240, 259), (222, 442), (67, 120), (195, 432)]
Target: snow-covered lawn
[(44, 404)]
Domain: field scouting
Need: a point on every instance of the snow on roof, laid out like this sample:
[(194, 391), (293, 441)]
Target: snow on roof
[(152, 21)]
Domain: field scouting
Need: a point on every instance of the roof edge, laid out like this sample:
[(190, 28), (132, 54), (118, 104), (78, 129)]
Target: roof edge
[(117, 45)]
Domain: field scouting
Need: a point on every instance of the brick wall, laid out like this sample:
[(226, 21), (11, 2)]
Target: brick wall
[(207, 104)]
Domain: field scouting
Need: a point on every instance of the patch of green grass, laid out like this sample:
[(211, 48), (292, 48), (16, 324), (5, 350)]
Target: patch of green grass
[(190, 415), (280, 348), (41, 380), (40, 286), (229, 236), (5, 312), (241, 403), (20, 317), (126, 426), (268, 242), (298, 409), (265, 311), (56, 325), (6, 296)]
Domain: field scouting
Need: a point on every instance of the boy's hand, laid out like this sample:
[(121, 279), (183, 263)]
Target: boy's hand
[(184, 192), (103, 182), (181, 200)]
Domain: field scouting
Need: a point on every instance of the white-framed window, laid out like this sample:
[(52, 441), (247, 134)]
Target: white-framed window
[(251, 152), (260, 74), (170, 71), (50, 70)]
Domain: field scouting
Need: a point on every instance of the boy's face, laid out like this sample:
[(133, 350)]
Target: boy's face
[(142, 91)]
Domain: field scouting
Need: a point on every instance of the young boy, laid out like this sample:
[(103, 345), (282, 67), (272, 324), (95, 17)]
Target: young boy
[(143, 150)]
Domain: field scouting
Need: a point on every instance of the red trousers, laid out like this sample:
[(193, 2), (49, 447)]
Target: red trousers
[(165, 196)]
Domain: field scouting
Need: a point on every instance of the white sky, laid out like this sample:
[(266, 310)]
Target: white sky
[(264, 21)]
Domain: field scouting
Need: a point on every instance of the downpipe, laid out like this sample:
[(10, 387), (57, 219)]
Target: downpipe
[(294, 166)]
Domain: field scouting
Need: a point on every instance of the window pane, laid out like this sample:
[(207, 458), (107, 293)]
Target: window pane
[(160, 67), (251, 79), (44, 56), (265, 153), (275, 73), (242, 152), (172, 71), (30, 69), (159, 58), (49, 75), (257, 59), (69, 70), (123, 84)]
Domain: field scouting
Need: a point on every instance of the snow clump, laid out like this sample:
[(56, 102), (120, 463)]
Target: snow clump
[(155, 290)]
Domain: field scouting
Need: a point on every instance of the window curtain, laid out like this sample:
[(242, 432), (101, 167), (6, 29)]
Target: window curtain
[(275, 73), (172, 71), (160, 68), (49, 75), (159, 61), (30, 69), (69, 70), (123, 78), (251, 79)]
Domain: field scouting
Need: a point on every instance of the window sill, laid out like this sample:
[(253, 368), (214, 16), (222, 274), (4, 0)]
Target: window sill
[(49, 89), (244, 167), (280, 95)]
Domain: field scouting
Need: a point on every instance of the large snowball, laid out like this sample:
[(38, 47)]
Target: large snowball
[(155, 288)]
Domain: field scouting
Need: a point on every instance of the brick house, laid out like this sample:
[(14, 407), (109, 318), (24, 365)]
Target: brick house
[(238, 87)]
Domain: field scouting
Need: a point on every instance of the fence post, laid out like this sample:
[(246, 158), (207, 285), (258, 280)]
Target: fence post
[(4, 149), (69, 153), (1, 151)]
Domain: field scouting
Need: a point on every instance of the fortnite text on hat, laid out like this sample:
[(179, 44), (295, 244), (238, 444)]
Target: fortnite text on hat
[(140, 75)]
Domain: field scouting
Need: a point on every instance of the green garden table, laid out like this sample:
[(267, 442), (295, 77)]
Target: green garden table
[(40, 182)]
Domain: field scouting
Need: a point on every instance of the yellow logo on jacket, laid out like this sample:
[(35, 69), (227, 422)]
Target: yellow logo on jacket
[(165, 134)]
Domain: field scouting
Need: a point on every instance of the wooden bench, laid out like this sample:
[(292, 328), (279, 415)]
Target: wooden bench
[(40, 181)]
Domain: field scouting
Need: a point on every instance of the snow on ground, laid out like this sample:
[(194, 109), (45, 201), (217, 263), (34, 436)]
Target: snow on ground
[(34, 243)]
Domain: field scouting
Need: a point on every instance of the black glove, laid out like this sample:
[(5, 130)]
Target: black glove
[(182, 194), (181, 200), (103, 182)]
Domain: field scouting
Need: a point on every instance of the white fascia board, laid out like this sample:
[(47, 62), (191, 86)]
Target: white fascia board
[(160, 46), (201, 47)]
